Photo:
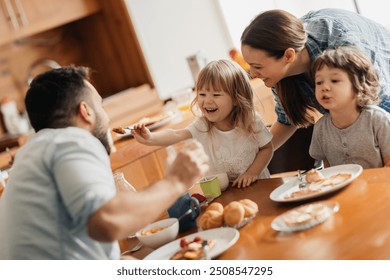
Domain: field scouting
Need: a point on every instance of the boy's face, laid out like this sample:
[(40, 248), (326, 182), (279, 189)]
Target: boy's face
[(334, 90)]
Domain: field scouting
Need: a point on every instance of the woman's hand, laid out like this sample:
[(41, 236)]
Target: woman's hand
[(245, 180)]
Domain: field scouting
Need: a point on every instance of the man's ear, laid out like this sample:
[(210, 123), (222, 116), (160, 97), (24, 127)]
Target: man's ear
[(289, 55), (86, 113)]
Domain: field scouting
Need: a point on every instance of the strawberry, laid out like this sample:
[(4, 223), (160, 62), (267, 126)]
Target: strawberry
[(183, 242)]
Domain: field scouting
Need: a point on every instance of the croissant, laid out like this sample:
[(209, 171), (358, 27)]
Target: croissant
[(250, 207), (211, 219), (215, 206), (233, 213)]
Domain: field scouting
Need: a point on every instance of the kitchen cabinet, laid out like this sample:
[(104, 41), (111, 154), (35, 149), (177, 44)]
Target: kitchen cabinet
[(98, 34), (22, 18), (147, 170)]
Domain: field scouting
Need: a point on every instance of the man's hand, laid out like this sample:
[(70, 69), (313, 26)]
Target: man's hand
[(190, 164)]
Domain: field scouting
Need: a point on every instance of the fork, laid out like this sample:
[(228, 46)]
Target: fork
[(205, 246), (301, 185)]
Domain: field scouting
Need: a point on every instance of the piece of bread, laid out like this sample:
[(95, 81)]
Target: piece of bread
[(336, 179), (210, 219), (306, 214), (119, 130), (250, 207), (233, 213), (215, 206), (296, 218), (313, 176)]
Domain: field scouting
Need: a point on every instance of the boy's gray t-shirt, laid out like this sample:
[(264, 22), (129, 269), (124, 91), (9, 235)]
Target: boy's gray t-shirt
[(366, 142)]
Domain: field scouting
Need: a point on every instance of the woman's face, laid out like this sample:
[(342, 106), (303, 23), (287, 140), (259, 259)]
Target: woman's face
[(269, 69)]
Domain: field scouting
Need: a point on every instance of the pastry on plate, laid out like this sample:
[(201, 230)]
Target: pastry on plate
[(233, 213), (192, 250), (250, 207), (210, 219), (313, 176)]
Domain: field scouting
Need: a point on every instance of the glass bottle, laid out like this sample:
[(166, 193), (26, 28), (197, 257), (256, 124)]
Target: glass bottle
[(121, 183)]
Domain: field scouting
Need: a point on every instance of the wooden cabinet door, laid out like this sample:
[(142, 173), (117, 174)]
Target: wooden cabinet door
[(22, 18), (8, 19), (145, 171)]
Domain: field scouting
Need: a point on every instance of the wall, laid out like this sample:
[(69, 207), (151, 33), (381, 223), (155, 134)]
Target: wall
[(238, 14), (171, 30)]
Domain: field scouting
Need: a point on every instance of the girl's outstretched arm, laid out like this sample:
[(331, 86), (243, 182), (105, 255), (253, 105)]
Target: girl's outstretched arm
[(159, 138), (260, 162)]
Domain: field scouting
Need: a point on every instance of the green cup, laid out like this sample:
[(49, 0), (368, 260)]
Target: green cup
[(211, 187)]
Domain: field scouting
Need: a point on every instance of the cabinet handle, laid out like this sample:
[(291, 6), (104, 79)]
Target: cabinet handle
[(21, 13), (11, 13)]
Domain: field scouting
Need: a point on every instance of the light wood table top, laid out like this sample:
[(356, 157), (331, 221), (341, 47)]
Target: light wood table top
[(359, 230)]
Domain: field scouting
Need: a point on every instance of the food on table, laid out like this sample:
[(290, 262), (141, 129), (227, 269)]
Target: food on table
[(151, 231), (317, 182), (316, 178), (306, 214), (335, 179), (191, 249), (233, 213), (146, 120), (211, 219), (215, 206), (119, 130), (302, 192), (250, 207), (313, 176)]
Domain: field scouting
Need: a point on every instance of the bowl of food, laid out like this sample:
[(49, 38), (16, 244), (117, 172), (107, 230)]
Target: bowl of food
[(159, 233)]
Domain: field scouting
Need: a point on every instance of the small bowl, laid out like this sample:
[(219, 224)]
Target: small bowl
[(169, 231)]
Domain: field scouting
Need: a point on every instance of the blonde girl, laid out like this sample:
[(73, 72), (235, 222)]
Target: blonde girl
[(232, 133)]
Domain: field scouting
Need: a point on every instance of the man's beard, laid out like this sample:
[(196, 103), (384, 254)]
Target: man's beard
[(101, 133)]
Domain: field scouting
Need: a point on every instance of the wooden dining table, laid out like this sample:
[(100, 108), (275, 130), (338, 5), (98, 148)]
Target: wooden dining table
[(360, 230)]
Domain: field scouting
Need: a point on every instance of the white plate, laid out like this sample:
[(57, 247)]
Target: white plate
[(281, 193), (170, 116), (224, 237), (279, 223)]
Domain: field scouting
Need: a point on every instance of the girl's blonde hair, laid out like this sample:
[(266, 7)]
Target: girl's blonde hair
[(228, 76), (361, 72)]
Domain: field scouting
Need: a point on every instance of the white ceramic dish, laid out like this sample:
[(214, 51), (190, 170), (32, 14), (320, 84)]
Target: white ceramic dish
[(224, 237), (280, 224), (282, 193), (167, 234)]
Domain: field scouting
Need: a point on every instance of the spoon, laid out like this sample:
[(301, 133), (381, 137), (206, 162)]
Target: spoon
[(185, 214), (134, 249)]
